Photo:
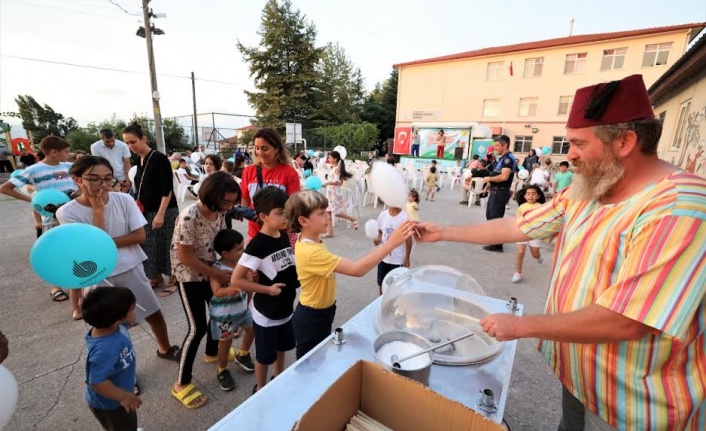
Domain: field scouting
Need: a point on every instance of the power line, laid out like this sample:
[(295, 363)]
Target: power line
[(110, 69), (25, 3), (123, 9)]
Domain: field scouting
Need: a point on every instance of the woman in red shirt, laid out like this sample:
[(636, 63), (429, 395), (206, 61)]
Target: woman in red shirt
[(274, 164)]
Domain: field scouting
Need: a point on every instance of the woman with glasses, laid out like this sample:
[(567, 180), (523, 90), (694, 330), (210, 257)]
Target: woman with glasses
[(117, 214), (154, 193), (192, 257)]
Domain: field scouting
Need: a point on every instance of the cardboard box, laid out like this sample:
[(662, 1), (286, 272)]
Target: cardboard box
[(395, 401)]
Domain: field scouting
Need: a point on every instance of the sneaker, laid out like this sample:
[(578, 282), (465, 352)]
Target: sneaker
[(226, 380), (540, 260), (464, 202), (245, 362), (516, 278), (495, 248)]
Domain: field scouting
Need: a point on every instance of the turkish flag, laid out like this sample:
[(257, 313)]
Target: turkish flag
[(402, 140), (511, 68)]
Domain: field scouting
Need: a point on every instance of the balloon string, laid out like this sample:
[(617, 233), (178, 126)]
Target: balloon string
[(112, 285)]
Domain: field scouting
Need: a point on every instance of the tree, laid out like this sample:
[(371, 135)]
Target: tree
[(381, 106), (339, 91), (42, 121), (283, 65), (175, 136), (354, 137), (81, 139)]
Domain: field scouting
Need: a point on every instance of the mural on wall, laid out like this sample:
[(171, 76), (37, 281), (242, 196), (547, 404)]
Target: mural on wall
[(691, 157), (453, 138)]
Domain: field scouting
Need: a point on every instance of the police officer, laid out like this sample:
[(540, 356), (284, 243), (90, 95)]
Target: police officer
[(500, 180)]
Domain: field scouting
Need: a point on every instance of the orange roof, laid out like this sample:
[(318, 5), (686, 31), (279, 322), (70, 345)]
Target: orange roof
[(251, 127), (551, 43)]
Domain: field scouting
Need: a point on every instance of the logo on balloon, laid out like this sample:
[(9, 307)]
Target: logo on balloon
[(85, 269)]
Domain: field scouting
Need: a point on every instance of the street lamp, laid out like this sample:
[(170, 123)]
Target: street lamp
[(146, 32)]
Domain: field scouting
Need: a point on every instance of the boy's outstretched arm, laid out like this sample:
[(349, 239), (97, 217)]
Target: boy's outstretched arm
[(239, 279), (9, 189), (363, 265)]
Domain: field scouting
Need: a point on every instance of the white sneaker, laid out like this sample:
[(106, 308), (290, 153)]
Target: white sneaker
[(540, 260), (516, 278)]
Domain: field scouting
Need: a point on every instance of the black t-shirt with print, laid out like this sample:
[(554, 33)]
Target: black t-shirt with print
[(273, 259)]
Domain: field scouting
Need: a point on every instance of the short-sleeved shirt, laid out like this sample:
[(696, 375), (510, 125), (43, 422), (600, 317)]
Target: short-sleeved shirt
[(563, 180), (644, 258), (193, 229), (44, 176), (506, 161), (122, 216), (158, 181), (109, 358), (284, 177), (233, 308), (387, 224), (315, 267), (273, 259), (115, 156), (431, 180)]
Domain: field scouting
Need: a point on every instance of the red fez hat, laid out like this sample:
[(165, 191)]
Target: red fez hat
[(610, 103)]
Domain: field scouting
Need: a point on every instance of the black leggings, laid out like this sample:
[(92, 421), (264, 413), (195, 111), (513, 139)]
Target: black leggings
[(195, 296)]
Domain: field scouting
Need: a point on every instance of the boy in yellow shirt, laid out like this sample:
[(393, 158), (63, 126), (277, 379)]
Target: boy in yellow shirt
[(317, 267)]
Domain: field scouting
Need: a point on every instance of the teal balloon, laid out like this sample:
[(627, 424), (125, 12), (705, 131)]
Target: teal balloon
[(231, 159), (313, 183), (74, 256), (48, 197), (522, 168), (546, 150), (311, 153), (307, 173), (16, 172)]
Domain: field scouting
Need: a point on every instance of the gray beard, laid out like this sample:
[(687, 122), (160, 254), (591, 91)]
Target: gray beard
[(596, 179)]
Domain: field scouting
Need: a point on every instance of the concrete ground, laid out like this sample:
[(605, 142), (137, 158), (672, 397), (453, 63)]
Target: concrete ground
[(47, 351)]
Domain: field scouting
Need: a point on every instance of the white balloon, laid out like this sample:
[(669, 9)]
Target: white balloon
[(342, 151), (371, 229), (8, 396), (389, 184), (523, 174), (131, 174)]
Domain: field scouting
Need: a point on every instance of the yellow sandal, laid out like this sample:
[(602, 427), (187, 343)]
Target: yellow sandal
[(187, 396)]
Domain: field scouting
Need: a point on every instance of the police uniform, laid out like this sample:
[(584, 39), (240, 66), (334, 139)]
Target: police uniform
[(500, 192)]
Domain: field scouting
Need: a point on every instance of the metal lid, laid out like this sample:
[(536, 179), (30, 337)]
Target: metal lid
[(438, 303)]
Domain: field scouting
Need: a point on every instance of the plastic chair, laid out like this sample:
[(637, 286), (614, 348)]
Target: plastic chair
[(477, 191), (179, 187)]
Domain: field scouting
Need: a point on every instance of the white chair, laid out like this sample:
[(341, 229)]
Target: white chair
[(477, 185), (179, 187)]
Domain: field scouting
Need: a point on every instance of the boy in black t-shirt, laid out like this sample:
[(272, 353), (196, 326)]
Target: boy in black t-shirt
[(270, 254)]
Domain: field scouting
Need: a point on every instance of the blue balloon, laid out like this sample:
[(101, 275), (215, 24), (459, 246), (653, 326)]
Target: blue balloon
[(231, 159), (16, 172), (546, 150), (522, 168), (313, 183), (48, 197), (307, 173), (311, 153), (74, 256)]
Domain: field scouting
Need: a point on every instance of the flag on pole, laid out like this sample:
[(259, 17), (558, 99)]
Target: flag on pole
[(511, 69)]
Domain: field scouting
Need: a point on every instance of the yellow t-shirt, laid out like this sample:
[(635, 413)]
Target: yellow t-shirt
[(315, 266), (525, 207), (412, 212)]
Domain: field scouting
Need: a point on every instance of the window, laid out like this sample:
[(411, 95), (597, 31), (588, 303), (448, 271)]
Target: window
[(528, 106), (533, 67), (681, 125), (494, 72), (565, 103), (575, 63), (522, 144), (560, 145), (656, 55), (613, 58), (491, 108)]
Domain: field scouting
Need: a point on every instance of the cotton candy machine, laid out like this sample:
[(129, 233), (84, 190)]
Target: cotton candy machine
[(439, 304)]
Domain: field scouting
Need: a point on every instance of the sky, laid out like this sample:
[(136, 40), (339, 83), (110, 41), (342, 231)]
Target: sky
[(201, 36)]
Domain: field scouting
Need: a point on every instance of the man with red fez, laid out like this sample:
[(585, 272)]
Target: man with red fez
[(625, 313)]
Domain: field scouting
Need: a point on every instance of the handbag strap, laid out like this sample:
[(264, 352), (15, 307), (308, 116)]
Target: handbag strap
[(142, 177), (260, 182)]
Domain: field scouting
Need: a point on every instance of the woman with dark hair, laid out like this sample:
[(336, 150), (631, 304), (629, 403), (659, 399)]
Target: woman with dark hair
[(117, 214), (272, 167), (212, 163), (192, 257), (530, 160), (154, 193), (334, 193)]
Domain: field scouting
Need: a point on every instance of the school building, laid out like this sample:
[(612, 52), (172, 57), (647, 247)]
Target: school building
[(526, 90)]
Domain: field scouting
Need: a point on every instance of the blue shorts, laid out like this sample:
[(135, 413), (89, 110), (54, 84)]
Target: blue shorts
[(224, 330), (272, 339), (311, 326)]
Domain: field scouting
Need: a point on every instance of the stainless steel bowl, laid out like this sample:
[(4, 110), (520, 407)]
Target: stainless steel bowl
[(420, 374)]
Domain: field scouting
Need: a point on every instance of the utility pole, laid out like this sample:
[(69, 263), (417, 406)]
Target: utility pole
[(196, 124), (159, 136)]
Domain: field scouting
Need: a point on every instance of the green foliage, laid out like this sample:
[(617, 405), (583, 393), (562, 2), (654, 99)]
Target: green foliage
[(81, 139), (339, 92), (283, 65), (42, 120), (381, 106), (174, 136), (354, 137)]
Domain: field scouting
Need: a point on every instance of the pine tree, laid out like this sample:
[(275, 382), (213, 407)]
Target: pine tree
[(340, 93), (381, 106), (283, 66)]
